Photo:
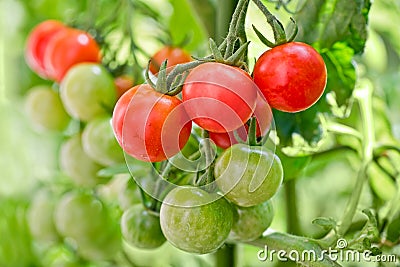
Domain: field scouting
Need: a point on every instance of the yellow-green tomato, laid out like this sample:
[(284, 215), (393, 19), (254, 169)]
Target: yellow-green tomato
[(141, 229), (88, 91), (249, 223), (248, 175), (99, 142), (45, 110), (193, 226)]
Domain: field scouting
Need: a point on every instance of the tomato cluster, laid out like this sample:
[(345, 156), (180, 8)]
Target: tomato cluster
[(228, 199)]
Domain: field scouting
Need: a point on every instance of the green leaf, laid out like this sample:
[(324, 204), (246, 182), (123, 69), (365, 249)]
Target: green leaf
[(325, 22), (325, 223), (305, 123), (393, 229), (183, 22), (341, 72)]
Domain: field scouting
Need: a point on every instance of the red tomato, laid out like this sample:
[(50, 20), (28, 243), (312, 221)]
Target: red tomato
[(175, 56), (122, 84), (263, 115), (291, 76), (68, 48), (218, 97), (37, 43), (150, 126)]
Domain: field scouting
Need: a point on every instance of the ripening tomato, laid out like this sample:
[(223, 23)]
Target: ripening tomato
[(218, 97), (291, 76), (68, 48), (174, 55), (37, 43), (263, 115), (150, 126), (122, 84)]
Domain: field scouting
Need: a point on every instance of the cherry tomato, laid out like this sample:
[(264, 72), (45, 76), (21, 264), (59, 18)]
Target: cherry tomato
[(251, 222), (142, 229), (45, 109), (174, 55), (218, 97), (88, 91), (291, 76), (263, 115), (248, 176), (190, 225), (150, 126), (68, 48), (37, 44), (122, 84)]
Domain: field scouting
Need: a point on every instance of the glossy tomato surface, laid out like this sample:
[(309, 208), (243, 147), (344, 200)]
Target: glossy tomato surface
[(291, 76), (218, 97), (37, 44), (248, 175), (174, 55), (192, 226), (150, 126), (141, 228), (68, 48), (263, 115)]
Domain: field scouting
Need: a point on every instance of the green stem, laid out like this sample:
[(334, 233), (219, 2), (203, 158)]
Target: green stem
[(292, 246), (225, 256), (224, 12), (364, 96), (277, 27), (292, 215), (237, 18)]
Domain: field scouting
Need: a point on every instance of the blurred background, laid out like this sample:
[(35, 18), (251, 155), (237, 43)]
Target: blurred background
[(29, 159)]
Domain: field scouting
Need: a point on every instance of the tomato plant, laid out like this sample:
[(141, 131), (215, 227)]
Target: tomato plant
[(333, 135), (67, 48), (291, 76), (150, 126), (228, 93)]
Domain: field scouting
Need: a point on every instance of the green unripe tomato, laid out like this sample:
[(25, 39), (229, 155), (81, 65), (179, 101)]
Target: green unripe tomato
[(249, 223), (248, 176), (77, 164), (45, 110), (40, 217), (99, 142), (88, 91), (193, 226), (141, 229)]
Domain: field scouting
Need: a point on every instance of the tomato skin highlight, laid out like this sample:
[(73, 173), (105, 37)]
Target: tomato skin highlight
[(174, 55), (37, 43), (68, 48), (150, 126), (291, 76), (218, 97)]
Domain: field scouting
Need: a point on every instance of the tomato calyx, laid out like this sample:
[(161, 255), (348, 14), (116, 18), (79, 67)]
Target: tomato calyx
[(277, 28)]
